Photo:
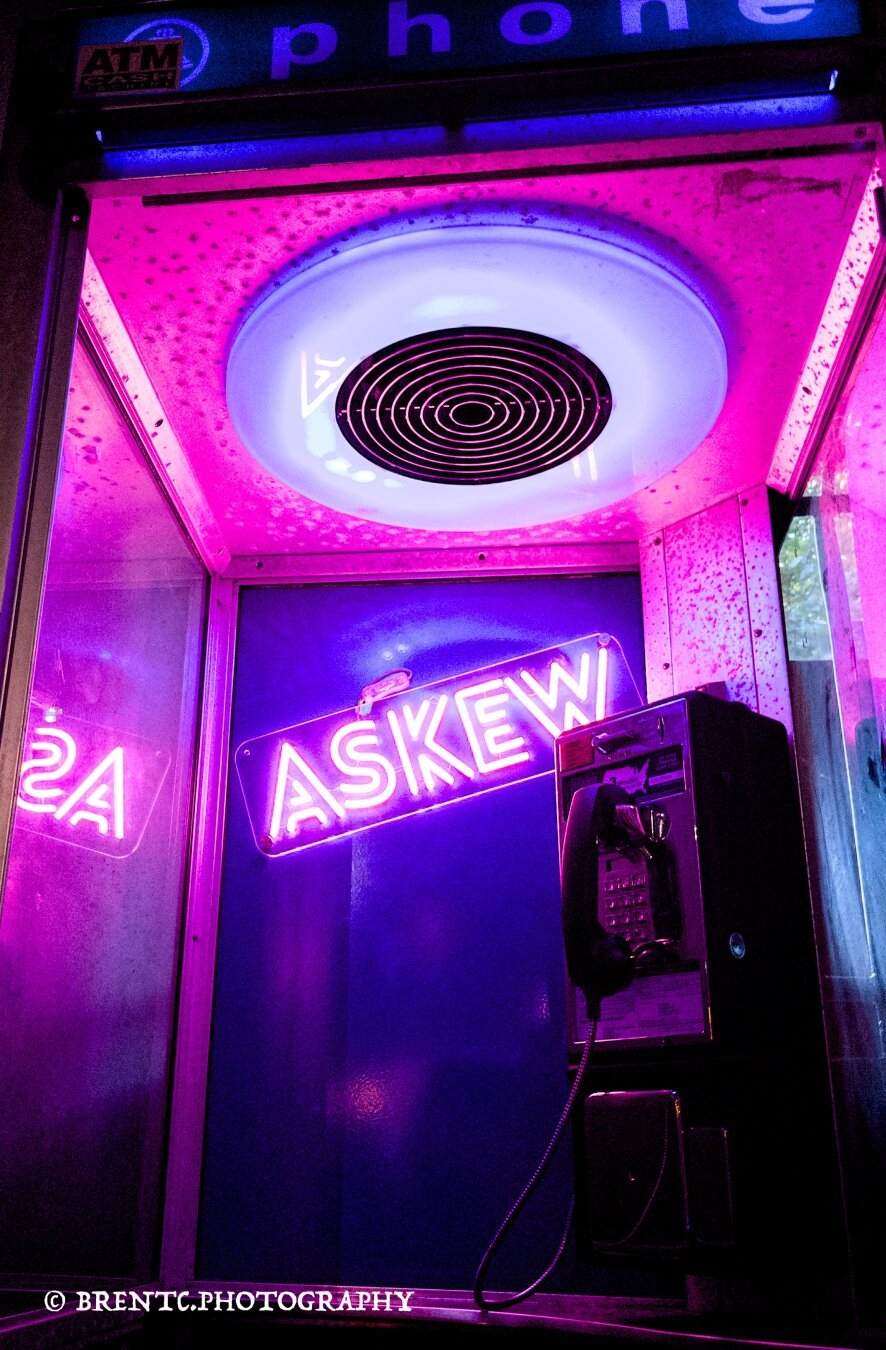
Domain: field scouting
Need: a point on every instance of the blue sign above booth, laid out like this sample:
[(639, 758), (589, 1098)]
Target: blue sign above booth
[(320, 42)]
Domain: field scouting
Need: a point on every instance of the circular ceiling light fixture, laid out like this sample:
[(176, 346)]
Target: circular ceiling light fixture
[(473, 405), (476, 376)]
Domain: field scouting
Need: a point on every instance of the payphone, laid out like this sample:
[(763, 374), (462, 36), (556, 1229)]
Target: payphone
[(700, 1106), (678, 832), (705, 1132)]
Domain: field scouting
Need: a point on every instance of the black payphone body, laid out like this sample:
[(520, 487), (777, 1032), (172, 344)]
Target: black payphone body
[(705, 1134)]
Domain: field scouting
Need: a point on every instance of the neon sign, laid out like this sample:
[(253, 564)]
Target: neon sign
[(427, 747), (87, 785), (329, 43)]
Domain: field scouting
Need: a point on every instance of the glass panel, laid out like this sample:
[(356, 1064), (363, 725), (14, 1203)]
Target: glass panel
[(390, 1002), (89, 925), (835, 610)]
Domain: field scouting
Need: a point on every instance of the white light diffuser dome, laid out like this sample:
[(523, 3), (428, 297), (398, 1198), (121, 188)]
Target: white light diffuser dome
[(656, 344)]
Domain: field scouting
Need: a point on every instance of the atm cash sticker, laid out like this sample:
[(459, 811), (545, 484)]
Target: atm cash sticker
[(129, 67), (428, 747)]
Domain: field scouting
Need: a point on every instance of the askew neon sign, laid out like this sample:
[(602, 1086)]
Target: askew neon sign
[(86, 784), (426, 747)]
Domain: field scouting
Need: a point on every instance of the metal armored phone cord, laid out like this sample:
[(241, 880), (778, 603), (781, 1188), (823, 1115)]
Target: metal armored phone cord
[(544, 1162)]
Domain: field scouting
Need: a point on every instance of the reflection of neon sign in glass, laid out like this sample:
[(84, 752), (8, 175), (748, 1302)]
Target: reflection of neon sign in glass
[(426, 747), (87, 785)]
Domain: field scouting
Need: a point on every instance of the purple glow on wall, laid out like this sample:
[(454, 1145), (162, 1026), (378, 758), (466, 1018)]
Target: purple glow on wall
[(89, 932), (427, 747)]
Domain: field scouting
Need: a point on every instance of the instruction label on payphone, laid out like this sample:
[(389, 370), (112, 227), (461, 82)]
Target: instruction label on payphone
[(659, 1005)]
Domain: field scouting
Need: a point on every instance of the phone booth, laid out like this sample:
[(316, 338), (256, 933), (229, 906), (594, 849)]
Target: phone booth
[(394, 396)]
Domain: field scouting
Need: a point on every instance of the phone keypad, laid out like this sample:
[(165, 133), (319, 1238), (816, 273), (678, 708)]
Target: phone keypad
[(625, 906)]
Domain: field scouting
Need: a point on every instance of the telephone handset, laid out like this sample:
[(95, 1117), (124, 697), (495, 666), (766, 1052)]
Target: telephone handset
[(620, 913)]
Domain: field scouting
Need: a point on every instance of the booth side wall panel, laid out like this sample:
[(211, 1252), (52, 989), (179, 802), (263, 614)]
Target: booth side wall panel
[(711, 606)]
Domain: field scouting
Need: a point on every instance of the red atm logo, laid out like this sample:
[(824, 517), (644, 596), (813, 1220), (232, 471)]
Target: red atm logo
[(129, 67), (426, 747)]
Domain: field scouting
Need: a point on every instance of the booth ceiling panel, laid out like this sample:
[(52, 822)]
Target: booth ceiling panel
[(760, 240)]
